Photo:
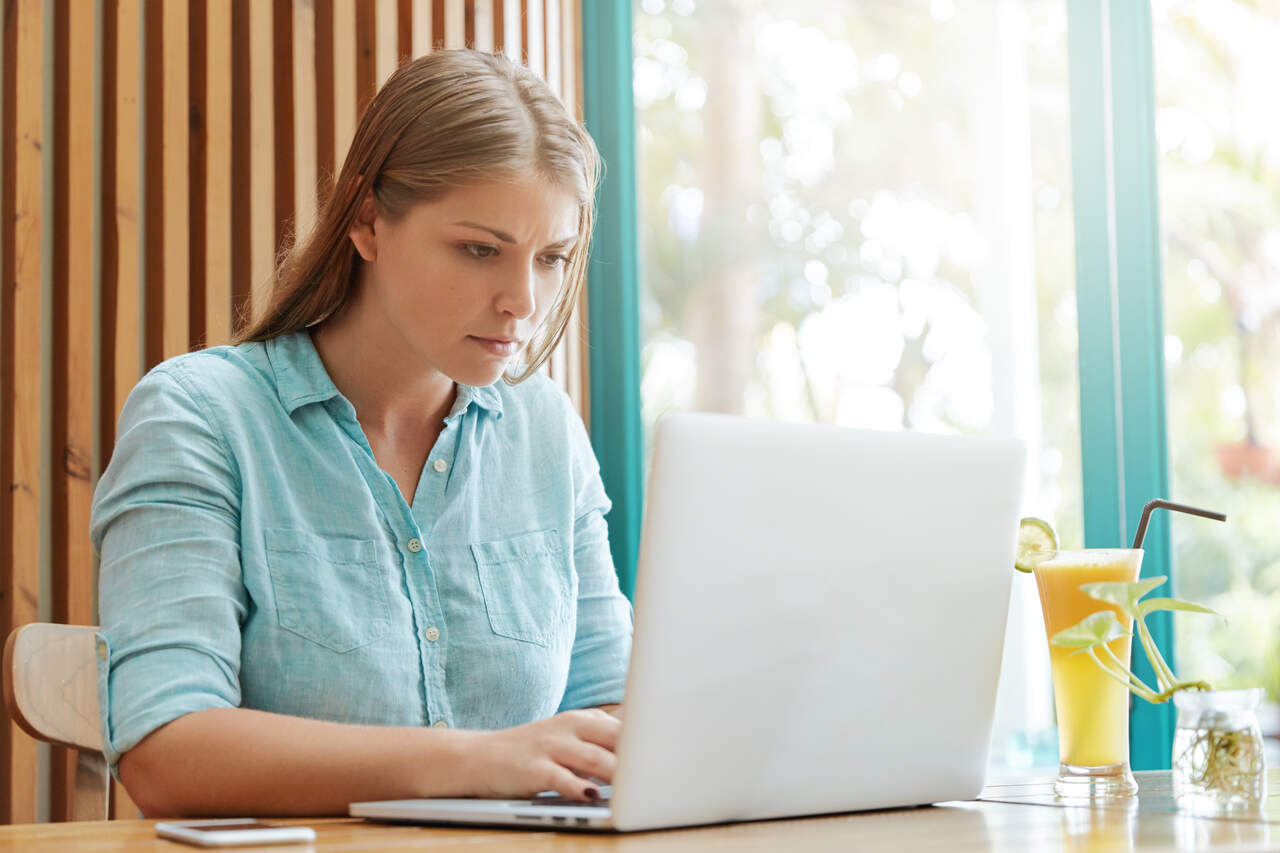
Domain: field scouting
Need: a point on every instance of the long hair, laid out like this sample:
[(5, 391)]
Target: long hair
[(446, 119)]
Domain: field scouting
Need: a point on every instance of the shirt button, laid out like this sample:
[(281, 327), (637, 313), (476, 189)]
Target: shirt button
[(414, 545), (440, 465), (440, 724), (432, 633)]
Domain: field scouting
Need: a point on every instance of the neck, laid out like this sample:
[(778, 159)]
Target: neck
[(386, 384)]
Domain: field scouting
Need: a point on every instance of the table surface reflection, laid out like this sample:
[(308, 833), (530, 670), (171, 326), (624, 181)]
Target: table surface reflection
[(1011, 816)]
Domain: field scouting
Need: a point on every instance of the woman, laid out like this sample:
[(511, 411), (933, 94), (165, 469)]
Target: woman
[(341, 560)]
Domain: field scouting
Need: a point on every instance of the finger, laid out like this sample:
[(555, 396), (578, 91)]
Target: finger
[(601, 729), (565, 783), (587, 759)]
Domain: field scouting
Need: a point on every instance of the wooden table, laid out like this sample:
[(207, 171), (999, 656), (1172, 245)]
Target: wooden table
[(1011, 817)]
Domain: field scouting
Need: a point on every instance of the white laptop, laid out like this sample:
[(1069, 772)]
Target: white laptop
[(820, 616)]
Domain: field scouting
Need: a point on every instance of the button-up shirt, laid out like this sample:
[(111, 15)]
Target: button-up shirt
[(254, 555)]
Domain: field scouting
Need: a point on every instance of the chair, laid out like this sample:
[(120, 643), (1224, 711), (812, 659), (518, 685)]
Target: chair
[(50, 680)]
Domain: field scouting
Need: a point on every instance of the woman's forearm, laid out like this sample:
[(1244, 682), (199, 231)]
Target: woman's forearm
[(236, 761)]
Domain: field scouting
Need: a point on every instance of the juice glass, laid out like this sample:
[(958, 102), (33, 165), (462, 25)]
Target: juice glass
[(1093, 708)]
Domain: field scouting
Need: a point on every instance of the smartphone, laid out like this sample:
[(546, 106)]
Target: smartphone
[(231, 832)]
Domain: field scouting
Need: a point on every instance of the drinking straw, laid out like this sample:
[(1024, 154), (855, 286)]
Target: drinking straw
[(1163, 504)]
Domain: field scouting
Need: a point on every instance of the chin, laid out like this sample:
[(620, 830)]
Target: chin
[(479, 375)]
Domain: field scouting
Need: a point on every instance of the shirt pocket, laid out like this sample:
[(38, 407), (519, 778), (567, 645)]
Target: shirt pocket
[(525, 584), (328, 590)]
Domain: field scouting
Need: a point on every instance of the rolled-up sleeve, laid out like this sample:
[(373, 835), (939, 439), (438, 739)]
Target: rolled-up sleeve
[(602, 644), (171, 597)]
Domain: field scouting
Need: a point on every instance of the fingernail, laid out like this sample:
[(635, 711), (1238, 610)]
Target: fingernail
[(593, 794)]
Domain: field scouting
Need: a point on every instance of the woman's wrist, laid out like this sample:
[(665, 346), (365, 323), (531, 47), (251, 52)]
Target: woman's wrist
[(443, 763)]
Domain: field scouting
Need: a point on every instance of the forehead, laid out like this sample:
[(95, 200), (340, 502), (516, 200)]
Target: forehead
[(529, 207)]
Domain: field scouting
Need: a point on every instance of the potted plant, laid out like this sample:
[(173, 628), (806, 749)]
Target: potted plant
[(1217, 747)]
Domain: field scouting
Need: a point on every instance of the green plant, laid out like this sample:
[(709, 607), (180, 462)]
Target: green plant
[(1097, 630)]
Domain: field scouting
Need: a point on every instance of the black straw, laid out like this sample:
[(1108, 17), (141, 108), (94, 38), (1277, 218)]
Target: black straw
[(1163, 504)]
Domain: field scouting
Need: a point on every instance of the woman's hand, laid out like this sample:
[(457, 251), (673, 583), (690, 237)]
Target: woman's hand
[(561, 753)]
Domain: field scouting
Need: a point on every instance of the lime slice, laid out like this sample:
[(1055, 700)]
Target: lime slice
[(1036, 542)]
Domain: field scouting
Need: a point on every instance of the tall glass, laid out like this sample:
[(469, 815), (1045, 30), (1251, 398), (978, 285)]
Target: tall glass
[(1093, 708)]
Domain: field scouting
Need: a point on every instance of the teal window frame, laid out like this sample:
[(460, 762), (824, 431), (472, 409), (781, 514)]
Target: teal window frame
[(1118, 288)]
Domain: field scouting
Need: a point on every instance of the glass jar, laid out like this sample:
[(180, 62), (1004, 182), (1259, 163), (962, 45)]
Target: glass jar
[(1217, 751)]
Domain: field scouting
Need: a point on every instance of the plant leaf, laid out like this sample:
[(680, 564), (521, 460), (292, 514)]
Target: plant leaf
[(1093, 630), (1153, 604), (1122, 594)]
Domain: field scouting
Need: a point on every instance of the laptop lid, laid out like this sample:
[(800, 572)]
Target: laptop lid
[(820, 615)]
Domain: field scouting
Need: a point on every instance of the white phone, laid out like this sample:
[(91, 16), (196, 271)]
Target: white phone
[(230, 832)]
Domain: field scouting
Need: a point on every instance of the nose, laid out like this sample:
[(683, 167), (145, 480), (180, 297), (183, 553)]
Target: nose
[(518, 296)]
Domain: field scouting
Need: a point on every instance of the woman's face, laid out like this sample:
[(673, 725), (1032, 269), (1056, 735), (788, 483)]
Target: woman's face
[(464, 281)]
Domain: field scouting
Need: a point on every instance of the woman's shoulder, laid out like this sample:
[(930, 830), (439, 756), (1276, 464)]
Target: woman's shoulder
[(214, 377)]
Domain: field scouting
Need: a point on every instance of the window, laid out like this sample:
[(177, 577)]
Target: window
[(1218, 136), (861, 214)]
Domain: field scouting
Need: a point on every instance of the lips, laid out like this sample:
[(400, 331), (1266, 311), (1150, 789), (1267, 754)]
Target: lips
[(505, 347)]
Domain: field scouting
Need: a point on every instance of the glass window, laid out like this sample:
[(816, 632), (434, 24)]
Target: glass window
[(861, 214), (1218, 134)]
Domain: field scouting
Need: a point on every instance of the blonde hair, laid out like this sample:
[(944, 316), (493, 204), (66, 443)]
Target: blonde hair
[(446, 119)]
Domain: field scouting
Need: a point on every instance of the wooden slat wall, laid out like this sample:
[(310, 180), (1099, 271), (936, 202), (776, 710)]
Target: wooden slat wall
[(154, 157)]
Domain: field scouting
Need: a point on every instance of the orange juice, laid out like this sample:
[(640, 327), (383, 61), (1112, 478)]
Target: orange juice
[(1093, 708)]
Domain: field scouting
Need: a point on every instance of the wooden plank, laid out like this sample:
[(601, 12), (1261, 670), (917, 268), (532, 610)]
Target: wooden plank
[(455, 24), (217, 174), (534, 43), (386, 15), (480, 21), (512, 29), (366, 61), (262, 160), (197, 154), (304, 116), (241, 166), (128, 138), (76, 157), (469, 23), (175, 188), (551, 43), (154, 231), (118, 211), (500, 25), (23, 388), (324, 129), (422, 26), (404, 31), (106, 224), (344, 79), (523, 24), (73, 356), (283, 138), (438, 16), (8, 116)]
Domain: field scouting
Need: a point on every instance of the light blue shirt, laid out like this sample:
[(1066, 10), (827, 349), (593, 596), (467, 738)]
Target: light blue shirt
[(254, 555)]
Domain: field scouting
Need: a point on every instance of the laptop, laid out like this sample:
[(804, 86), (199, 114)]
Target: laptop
[(819, 621)]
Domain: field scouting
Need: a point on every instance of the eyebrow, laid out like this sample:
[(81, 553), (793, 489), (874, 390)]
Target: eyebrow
[(507, 238)]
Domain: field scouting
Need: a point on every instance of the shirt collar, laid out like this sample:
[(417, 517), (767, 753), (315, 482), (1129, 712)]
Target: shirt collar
[(302, 379), (484, 396), (300, 374)]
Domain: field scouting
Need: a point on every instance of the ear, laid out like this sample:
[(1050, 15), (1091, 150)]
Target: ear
[(362, 232)]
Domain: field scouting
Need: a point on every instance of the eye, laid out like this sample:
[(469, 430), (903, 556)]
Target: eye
[(479, 251), (554, 261)]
